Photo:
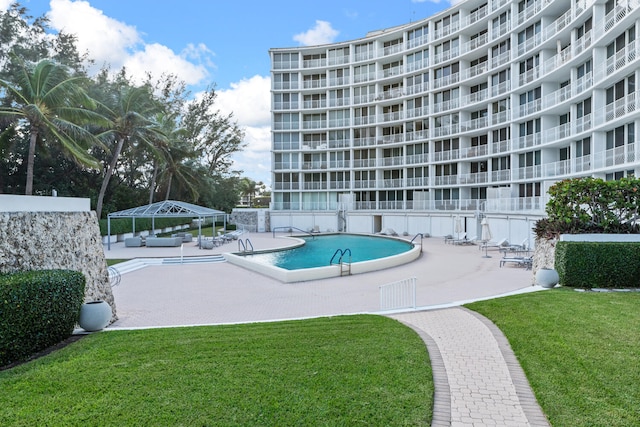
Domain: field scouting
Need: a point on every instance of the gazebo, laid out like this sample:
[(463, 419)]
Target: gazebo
[(166, 209)]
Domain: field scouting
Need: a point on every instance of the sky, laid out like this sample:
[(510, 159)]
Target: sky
[(220, 43)]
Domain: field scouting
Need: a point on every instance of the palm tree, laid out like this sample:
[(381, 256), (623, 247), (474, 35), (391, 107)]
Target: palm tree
[(249, 188), (174, 160), (54, 107), (129, 110)]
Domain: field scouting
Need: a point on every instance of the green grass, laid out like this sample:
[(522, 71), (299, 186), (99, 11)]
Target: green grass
[(341, 371), (579, 350), (114, 261)]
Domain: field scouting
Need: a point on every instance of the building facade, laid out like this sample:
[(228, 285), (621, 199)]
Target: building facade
[(471, 113)]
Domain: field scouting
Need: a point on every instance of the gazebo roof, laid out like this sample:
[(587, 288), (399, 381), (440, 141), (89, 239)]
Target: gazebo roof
[(166, 209)]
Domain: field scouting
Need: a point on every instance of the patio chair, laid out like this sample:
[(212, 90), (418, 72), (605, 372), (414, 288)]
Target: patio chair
[(497, 245)]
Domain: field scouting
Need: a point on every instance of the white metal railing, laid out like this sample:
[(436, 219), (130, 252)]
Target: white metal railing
[(314, 84), (360, 142), (446, 80), (501, 175), (480, 150), (414, 159), (474, 178), (321, 103), (501, 59), (446, 105), (339, 81), (501, 30), (398, 295), (422, 40), (422, 181), (417, 135), (439, 156), (314, 63), (472, 98)]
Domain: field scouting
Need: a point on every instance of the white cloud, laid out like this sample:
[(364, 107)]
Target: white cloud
[(250, 102), (114, 43), (4, 4), (322, 33), (255, 159), (156, 58)]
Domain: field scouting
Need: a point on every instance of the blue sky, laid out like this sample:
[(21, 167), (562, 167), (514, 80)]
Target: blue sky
[(221, 42)]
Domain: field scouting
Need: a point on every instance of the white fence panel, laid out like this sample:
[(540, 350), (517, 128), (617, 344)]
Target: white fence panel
[(397, 295)]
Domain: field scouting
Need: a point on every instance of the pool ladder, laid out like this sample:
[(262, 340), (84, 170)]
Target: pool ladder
[(345, 267), (244, 246)]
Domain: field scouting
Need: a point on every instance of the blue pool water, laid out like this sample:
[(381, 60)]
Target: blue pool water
[(317, 251)]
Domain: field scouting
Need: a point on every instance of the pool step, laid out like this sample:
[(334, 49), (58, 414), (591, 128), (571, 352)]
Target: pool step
[(194, 259), (138, 263), (345, 269)]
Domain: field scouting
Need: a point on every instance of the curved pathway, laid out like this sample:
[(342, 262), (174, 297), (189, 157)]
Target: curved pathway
[(478, 381), (477, 378)]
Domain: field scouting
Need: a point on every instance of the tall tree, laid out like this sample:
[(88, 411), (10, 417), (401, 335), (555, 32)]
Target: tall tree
[(130, 111), (250, 188), (215, 136), (175, 160), (53, 107)]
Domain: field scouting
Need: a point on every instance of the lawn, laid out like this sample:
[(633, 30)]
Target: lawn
[(348, 370), (579, 350)]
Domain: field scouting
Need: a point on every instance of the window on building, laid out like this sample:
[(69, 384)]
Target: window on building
[(530, 189), (500, 48), (529, 63), (283, 61), (530, 96), (619, 90)]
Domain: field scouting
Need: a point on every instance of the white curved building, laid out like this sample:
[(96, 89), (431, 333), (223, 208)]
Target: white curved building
[(472, 112)]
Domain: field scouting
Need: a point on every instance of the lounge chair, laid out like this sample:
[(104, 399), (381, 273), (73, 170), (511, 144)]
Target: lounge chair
[(520, 261), (497, 245)]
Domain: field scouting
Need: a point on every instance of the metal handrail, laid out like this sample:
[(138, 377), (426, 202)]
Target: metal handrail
[(245, 246), (414, 237), (292, 228), (342, 253)]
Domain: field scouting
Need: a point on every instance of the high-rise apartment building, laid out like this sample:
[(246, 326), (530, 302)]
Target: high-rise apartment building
[(472, 112)]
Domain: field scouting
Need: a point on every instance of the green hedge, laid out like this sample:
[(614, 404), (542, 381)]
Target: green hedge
[(125, 225), (598, 264), (37, 310)]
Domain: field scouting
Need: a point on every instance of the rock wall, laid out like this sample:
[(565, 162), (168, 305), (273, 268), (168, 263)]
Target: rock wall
[(56, 240), (544, 255), (247, 219)]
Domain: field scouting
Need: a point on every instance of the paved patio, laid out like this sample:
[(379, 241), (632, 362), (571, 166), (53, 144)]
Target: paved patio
[(198, 294), (477, 377)]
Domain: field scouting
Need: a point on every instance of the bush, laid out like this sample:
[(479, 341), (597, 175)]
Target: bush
[(591, 205), (125, 225), (598, 264), (37, 310)]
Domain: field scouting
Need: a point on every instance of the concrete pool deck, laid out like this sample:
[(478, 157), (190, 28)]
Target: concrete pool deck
[(478, 380), (215, 293)]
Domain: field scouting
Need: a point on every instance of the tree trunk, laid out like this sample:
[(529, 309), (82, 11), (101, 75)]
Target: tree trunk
[(28, 188), (169, 186), (152, 186), (107, 177)]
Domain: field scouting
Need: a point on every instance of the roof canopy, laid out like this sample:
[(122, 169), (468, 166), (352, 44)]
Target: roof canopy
[(167, 209)]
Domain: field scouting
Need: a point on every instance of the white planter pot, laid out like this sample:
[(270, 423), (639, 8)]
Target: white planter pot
[(94, 315), (547, 277)]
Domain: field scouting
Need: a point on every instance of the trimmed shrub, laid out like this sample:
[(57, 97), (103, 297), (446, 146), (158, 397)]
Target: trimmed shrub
[(598, 264), (125, 225), (37, 310), (591, 205)]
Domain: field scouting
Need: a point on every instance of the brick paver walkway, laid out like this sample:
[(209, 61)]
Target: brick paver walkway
[(478, 381)]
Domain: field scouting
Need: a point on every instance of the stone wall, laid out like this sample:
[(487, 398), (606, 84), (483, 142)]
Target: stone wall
[(545, 254), (56, 240), (247, 219)]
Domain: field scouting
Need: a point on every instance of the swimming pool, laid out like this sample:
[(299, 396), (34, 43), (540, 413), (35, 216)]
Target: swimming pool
[(309, 260)]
